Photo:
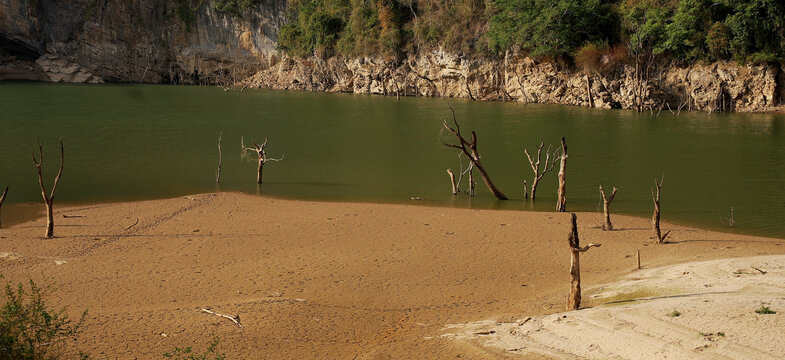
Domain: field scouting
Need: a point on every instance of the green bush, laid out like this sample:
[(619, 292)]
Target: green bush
[(765, 310), (29, 329)]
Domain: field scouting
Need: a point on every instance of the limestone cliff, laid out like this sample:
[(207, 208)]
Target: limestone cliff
[(149, 41), (713, 87), (133, 41)]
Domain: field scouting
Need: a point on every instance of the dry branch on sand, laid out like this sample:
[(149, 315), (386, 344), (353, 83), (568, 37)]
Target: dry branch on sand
[(235, 319)]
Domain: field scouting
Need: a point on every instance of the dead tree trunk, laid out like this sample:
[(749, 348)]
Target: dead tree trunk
[(606, 202), (588, 91), (261, 156), (220, 160), (48, 199), (561, 201), (536, 167), (574, 300), (655, 219), (472, 184), (452, 182), (525, 190), (2, 198), (470, 150)]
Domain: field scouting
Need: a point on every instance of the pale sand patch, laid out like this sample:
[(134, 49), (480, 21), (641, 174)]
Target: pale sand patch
[(699, 310), (314, 280)]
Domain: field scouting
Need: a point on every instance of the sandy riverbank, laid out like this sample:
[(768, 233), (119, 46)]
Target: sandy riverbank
[(323, 280)]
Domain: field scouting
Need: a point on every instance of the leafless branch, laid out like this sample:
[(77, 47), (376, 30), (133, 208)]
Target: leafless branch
[(235, 319)]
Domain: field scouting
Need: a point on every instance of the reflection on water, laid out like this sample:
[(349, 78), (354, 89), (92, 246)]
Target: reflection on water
[(139, 142)]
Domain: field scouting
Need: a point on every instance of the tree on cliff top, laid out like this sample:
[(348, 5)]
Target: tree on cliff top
[(551, 29)]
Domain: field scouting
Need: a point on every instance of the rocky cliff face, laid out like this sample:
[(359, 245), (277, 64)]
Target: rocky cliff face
[(133, 41), (148, 41), (719, 86)]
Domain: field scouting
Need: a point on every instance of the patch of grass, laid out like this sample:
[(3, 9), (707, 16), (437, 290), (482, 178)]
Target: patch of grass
[(29, 329), (721, 334), (765, 310), (675, 313), (187, 353)]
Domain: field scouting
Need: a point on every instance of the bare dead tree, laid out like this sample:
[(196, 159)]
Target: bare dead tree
[(655, 219), (2, 198), (472, 184), (561, 201), (731, 221), (48, 199), (588, 91), (261, 156), (452, 182), (606, 202), (456, 184), (470, 150), (525, 190), (220, 160), (549, 164), (574, 300)]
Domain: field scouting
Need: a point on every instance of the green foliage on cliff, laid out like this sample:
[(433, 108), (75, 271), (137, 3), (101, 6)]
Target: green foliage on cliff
[(682, 30), (547, 28), (234, 7)]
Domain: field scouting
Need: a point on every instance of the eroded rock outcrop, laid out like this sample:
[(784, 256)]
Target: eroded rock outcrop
[(150, 41), (134, 41), (719, 86)]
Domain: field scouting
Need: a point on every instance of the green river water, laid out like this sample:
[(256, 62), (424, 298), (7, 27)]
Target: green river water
[(130, 142)]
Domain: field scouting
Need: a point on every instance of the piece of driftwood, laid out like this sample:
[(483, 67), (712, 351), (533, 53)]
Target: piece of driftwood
[(638, 259), (132, 225), (574, 299), (235, 319)]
